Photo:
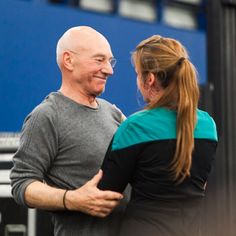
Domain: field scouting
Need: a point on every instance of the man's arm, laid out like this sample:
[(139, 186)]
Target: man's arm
[(87, 199)]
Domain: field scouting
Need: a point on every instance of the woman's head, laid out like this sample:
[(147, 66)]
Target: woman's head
[(167, 78), (167, 61)]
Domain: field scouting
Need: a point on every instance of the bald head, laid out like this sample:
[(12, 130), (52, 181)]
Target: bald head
[(78, 38)]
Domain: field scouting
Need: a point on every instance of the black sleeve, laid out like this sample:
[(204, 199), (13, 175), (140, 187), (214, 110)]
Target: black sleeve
[(118, 168)]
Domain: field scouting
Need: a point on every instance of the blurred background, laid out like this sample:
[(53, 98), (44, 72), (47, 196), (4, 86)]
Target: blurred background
[(29, 31)]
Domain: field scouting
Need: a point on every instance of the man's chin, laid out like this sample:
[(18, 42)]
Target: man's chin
[(98, 93)]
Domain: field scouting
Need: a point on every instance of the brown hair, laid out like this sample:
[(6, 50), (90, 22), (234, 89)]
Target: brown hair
[(168, 60)]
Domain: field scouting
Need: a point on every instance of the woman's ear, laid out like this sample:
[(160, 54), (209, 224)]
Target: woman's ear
[(153, 82), (67, 61), (150, 79)]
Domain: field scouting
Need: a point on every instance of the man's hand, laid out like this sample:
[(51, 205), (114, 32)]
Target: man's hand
[(123, 117), (90, 200)]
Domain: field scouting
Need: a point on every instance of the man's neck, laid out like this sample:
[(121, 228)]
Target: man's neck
[(80, 97)]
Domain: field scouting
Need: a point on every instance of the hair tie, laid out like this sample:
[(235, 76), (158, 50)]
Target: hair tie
[(181, 60)]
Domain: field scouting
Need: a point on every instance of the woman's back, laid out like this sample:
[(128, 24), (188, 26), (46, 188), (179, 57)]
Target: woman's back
[(141, 153), (165, 151)]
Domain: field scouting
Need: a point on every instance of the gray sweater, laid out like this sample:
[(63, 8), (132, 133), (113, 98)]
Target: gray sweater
[(63, 143)]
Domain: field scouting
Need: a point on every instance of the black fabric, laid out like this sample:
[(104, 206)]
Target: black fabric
[(146, 167), (159, 206)]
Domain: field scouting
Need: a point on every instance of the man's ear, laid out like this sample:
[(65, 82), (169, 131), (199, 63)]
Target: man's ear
[(67, 61)]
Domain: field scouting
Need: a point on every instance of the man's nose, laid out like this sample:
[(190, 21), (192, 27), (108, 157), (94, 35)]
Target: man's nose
[(107, 68)]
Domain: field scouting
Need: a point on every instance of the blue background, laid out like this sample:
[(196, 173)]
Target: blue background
[(28, 71)]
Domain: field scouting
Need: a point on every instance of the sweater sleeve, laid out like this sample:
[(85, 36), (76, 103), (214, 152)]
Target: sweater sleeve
[(37, 149)]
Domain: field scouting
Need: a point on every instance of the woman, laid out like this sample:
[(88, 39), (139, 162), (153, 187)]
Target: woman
[(165, 151)]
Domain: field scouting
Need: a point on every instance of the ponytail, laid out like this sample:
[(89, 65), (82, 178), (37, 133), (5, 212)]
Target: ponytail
[(186, 120), (168, 60)]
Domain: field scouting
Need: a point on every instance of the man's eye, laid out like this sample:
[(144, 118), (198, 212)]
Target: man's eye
[(99, 59)]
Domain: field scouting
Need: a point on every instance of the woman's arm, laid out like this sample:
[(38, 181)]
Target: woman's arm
[(118, 167)]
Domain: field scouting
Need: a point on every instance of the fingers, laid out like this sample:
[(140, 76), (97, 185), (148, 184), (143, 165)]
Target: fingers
[(96, 178), (109, 204), (102, 213), (110, 195), (93, 201), (104, 194), (103, 209), (123, 117)]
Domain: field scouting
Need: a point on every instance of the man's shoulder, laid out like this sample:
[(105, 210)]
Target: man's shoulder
[(103, 101), (47, 105), (47, 108), (111, 109)]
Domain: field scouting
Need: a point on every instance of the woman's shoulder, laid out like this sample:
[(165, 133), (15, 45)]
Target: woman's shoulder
[(205, 126)]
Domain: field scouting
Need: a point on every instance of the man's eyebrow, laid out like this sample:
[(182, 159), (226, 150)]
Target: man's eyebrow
[(101, 55)]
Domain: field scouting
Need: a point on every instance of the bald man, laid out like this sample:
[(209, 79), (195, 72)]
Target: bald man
[(64, 140)]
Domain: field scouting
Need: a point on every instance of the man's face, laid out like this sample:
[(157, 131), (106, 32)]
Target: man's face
[(92, 66)]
